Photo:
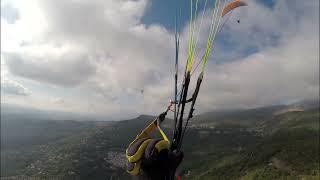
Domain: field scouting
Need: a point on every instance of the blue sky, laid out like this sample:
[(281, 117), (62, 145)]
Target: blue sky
[(164, 11), (94, 57)]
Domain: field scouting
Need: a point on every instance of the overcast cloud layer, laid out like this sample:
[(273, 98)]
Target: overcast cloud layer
[(96, 56)]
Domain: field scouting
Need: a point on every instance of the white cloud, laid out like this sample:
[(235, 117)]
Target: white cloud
[(284, 69), (66, 69), (14, 88), (101, 49), (11, 86), (58, 100)]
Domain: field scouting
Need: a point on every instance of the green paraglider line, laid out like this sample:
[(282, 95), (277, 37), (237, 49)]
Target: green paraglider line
[(212, 33), (177, 43), (215, 28)]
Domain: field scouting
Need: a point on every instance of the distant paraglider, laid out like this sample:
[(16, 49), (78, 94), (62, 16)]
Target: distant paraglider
[(229, 8), (232, 5)]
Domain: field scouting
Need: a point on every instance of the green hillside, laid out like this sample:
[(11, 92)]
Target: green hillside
[(288, 150), (282, 146)]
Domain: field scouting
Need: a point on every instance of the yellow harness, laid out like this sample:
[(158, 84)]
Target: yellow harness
[(136, 149)]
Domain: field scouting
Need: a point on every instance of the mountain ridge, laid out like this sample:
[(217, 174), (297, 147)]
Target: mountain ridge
[(238, 146)]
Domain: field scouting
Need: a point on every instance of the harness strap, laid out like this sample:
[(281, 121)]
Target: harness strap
[(136, 150)]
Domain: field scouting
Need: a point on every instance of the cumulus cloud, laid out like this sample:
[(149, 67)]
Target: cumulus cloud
[(282, 68), (111, 33), (68, 69), (58, 100), (13, 88), (285, 67), (104, 50)]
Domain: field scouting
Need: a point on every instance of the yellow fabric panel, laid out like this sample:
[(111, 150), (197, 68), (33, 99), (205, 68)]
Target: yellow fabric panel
[(163, 144), (163, 134), (136, 157), (136, 168)]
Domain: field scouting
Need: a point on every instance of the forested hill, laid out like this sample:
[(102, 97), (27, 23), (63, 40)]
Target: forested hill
[(279, 142)]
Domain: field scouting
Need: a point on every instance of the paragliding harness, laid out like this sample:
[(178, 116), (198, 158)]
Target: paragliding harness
[(144, 148)]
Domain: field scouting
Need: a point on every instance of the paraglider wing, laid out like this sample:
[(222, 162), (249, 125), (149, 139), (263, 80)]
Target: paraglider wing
[(232, 5)]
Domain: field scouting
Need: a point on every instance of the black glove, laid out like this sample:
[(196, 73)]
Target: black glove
[(161, 165)]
